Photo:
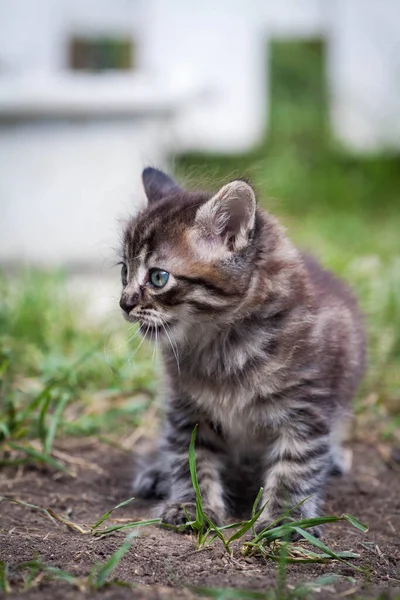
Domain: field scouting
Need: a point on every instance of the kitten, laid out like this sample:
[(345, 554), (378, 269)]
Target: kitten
[(262, 348)]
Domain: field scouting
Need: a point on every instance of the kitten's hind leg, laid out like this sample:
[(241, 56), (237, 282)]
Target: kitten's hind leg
[(151, 480)]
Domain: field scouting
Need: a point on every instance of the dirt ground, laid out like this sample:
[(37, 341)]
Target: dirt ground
[(164, 564)]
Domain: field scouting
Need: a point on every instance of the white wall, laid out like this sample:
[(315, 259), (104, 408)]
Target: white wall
[(215, 52), (34, 34), (364, 73), (64, 187), (222, 48), (203, 71)]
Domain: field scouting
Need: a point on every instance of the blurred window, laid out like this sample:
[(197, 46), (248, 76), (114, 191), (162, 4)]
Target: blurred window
[(101, 54)]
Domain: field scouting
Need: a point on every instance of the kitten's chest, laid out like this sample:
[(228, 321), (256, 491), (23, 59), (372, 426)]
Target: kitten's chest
[(230, 407)]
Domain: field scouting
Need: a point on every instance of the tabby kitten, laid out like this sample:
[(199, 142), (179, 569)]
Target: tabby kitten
[(262, 348)]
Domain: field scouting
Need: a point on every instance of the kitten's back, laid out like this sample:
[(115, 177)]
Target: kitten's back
[(333, 294)]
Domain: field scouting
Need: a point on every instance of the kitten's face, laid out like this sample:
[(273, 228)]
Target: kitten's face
[(187, 258)]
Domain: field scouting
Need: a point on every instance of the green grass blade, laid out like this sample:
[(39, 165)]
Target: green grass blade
[(35, 566), (285, 514), (195, 481), (254, 509), (22, 503), (303, 590), (126, 526), (217, 533), (3, 368), (248, 525), (233, 525), (57, 573), (355, 522), (4, 583), (35, 403), (52, 428), (42, 427), (282, 531), (4, 430), (317, 555), (39, 456), (102, 573), (321, 546), (108, 513)]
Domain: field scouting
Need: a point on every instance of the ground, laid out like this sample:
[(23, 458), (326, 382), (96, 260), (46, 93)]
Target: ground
[(164, 564)]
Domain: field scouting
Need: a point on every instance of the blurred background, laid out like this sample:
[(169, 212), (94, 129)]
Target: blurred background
[(301, 98)]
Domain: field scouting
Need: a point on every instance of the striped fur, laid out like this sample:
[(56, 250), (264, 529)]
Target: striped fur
[(262, 348)]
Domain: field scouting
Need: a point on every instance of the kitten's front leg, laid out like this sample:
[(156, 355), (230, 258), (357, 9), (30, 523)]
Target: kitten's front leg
[(297, 465), (180, 506)]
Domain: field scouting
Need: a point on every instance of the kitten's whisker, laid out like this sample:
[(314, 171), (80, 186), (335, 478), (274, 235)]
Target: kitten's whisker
[(153, 341), (131, 356), (156, 345), (134, 335), (169, 329), (174, 350), (144, 337), (107, 349)]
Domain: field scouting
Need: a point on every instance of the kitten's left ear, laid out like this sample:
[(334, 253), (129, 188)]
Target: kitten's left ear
[(229, 215), (157, 184)]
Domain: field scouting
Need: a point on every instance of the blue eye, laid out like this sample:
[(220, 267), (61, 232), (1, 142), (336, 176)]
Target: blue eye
[(158, 277)]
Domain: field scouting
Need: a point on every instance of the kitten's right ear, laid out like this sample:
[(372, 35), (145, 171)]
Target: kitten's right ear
[(157, 184)]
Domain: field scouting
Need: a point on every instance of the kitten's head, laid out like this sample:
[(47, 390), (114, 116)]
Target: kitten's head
[(187, 257)]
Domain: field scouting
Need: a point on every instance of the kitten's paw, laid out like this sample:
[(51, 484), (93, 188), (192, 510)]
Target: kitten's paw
[(180, 513)]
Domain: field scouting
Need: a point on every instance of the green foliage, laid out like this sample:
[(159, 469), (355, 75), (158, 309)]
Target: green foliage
[(274, 540), (100, 574), (56, 363)]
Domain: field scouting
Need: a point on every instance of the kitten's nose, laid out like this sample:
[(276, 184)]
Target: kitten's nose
[(128, 301)]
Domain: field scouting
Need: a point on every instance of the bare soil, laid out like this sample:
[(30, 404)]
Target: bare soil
[(164, 564)]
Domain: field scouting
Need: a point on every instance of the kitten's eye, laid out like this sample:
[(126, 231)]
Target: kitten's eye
[(158, 277), (124, 275)]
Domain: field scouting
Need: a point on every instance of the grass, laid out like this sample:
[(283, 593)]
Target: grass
[(60, 373), (84, 528), (33, 572), (273, 541)]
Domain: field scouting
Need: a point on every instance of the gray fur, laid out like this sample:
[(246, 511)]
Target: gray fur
[(264, 351)]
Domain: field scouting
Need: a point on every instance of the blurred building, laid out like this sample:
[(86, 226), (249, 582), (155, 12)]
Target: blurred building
[(92, 90)]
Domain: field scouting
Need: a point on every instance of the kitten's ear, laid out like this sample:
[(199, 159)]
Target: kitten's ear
[(229, 215), (157, 184)]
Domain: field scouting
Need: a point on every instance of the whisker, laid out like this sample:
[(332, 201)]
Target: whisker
[(175, 352), (141, 342)]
